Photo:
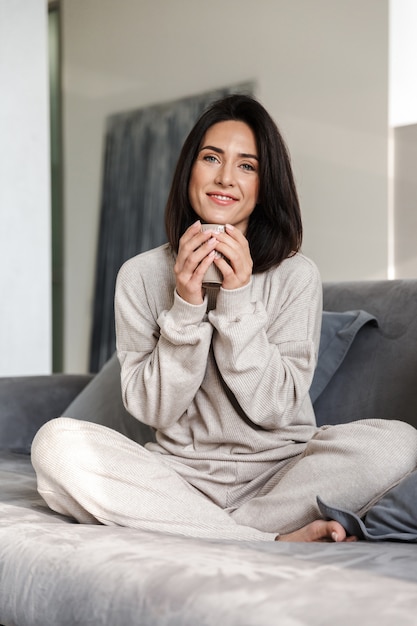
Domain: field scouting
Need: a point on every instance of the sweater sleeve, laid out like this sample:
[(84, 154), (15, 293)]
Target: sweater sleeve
[(163, 355), (267, 355)]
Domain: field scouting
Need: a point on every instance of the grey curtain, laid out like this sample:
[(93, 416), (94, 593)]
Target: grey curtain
[(141, 150)]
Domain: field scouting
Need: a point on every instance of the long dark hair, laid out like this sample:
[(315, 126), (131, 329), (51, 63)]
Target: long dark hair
[(275, 227)]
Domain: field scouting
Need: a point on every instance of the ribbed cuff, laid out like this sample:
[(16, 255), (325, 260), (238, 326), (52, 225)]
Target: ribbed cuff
[(233, 301), (184, 313)]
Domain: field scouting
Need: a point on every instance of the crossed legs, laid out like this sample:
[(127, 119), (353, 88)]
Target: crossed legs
[(94, 474)]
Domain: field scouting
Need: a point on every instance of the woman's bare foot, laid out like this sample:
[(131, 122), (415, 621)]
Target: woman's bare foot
[(320, 530)]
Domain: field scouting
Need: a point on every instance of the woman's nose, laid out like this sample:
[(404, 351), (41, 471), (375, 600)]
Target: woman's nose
[(224, 175)]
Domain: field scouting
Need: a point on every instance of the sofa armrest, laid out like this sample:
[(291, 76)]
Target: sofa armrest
[(27, 402)]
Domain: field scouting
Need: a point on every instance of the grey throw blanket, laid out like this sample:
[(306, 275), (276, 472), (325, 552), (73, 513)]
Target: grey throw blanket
[(392, 518)]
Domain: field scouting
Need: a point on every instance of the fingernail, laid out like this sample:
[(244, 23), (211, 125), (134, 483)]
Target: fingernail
[(334, 536), (230, 227)]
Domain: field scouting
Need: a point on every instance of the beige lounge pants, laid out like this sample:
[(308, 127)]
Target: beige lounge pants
[(97, 475)]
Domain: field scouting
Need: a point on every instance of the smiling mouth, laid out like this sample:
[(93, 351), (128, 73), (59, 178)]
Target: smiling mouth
[(221, 197)]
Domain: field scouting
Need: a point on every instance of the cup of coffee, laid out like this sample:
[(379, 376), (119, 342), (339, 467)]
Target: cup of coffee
[(213, 277)]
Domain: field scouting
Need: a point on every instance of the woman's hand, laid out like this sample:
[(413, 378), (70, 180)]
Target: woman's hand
[(195, 254), (237, 269)]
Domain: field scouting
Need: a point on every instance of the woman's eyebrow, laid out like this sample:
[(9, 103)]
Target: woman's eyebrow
[(245, 155)]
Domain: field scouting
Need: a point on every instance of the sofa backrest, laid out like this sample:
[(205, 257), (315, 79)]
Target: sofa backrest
[(378, 377)]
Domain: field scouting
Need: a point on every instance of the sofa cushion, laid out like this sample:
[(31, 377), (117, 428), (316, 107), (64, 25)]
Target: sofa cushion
[(101, 402), (27, 402), (338, 330)]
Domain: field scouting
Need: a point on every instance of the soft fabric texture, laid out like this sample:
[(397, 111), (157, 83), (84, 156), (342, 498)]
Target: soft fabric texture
[(98, 399), (96, 475), (363, 385), (392, 518), (101, 403), (57, 573), (378, 375), (338, 331), (225, 378), (27, 401)]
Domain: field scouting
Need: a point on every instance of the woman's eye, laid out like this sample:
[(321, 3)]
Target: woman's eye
[(248, 167), (210, 158)]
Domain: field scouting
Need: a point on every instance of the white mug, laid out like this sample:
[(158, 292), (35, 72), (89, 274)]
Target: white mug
[(213, 277)]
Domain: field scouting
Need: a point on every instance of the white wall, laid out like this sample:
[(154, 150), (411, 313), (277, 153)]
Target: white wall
[(405, 201), (321, 69), (403, 147), (25, 276), (403, 62)]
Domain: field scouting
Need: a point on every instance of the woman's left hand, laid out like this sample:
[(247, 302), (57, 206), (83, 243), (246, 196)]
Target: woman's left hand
[(237, 269)]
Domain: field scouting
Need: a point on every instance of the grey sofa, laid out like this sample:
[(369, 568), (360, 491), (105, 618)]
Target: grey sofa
[(54, 572)]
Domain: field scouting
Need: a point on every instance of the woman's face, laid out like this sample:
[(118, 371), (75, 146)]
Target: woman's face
[(224, 182)]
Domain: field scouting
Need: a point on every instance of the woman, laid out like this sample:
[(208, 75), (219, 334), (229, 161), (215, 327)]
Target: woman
[(223, 374)]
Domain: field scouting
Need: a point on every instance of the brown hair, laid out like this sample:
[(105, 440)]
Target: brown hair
[(275, 227)]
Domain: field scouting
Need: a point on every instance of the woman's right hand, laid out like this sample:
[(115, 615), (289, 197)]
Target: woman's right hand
[(195, 255)]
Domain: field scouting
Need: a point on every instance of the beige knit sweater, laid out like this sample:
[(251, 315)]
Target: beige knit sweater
[(227, 379)]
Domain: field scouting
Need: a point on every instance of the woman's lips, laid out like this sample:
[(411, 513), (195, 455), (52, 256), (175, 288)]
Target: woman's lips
[(220, 198)]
